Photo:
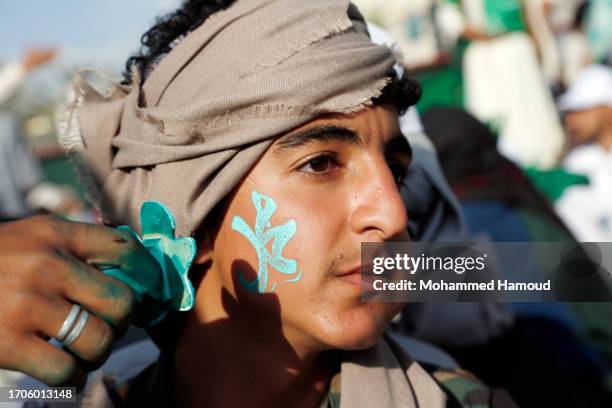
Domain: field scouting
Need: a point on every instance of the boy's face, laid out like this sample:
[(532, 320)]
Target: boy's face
[(334, 184)]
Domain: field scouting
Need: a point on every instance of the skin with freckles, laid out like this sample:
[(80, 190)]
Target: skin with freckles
[(337, 178)]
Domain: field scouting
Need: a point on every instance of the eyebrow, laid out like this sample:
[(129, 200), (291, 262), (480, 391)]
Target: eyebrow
[(319, 134)]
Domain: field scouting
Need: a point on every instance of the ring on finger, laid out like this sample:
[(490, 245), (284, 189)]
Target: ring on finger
[(68, 323), (73, 325)]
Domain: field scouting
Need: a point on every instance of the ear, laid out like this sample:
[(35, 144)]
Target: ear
[(205, 249)]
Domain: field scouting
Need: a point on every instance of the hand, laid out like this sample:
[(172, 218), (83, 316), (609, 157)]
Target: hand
[(45, 268), (36, 57)]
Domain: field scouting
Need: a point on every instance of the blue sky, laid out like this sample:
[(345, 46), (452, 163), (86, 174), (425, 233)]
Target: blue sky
[(98, 32)]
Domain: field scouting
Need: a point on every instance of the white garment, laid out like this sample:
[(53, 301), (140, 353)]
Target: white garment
[(592, 88), (575, 55), (587, 209), (574, 51), (19, 170), (562, 13), (504, 86), (548, 47), (11, 77)]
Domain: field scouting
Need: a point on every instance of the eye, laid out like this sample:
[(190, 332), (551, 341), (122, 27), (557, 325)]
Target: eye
[(322, 163), (399, 171)]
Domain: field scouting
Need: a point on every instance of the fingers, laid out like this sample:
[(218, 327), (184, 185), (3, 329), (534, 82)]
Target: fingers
[(94, 342), (55, 274), (43, 272), (37, 358), (104, 296), (99, 246), (93, 243), (85, 241)]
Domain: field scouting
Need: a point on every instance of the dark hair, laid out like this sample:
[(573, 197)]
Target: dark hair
[(402, 92), (156, 41)]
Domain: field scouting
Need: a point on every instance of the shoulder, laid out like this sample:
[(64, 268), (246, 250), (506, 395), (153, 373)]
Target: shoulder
[(461, 387), (465, 390)]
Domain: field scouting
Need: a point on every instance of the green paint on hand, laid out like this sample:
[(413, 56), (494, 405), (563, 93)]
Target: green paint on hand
[(163, 285)]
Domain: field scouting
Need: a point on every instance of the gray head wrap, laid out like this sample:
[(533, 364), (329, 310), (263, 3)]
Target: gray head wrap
[(214, 104)]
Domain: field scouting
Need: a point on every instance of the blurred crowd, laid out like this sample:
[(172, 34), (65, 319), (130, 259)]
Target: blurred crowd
[(30, 167), (536, 73), (517, 106), (513, 143)]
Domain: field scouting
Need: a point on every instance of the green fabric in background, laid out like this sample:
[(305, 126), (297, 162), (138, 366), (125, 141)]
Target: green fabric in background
[(504, 16), (541, 229), (443, 86), (552, 183), (599, 29), (61, 171)]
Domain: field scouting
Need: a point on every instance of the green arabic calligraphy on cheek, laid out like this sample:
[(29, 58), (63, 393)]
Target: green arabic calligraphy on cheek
[(260, 237)]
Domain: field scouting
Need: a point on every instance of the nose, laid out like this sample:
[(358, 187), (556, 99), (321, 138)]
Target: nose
[(378, 212)]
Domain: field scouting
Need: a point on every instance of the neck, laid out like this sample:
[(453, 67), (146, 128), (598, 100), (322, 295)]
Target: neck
[(227, 356)]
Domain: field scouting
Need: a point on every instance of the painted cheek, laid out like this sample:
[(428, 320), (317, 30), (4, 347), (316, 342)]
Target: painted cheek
[(264, 236)]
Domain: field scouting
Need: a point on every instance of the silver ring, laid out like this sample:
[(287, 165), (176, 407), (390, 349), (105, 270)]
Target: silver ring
[(68, 323), (77, 329)]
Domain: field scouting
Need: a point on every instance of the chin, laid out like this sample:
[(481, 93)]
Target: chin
[(357, 328)]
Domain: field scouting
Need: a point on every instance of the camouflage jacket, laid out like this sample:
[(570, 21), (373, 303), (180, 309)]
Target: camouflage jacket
[(382, 376)]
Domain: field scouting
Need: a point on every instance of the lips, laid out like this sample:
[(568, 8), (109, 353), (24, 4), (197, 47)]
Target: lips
[(357, 270), (355, 277)]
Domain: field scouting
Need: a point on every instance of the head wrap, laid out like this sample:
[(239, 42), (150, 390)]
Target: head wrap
[(214, 104)]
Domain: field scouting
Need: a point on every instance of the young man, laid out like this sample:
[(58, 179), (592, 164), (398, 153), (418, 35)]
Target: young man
[(270, 131), (20, 170)]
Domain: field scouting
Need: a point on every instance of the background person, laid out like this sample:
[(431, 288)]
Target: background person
[(504, 82), (587, 107), (501, 205), (19, 168)]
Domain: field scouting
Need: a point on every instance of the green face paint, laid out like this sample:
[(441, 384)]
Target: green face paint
[(260, 237), (160, 282)]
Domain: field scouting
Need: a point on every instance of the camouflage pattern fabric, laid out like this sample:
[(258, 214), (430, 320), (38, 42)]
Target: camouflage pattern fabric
[(465, 390), (461, 387)]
